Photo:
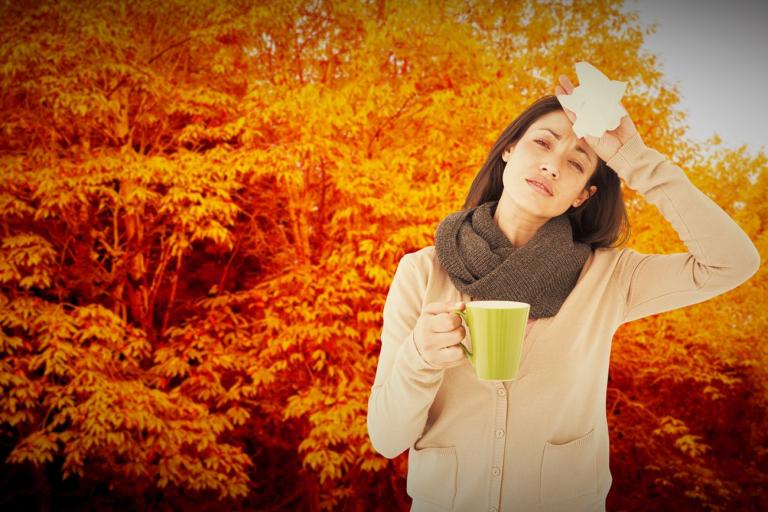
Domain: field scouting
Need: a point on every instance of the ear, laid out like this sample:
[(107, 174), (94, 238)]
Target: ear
[(585, 195), (508, 153)]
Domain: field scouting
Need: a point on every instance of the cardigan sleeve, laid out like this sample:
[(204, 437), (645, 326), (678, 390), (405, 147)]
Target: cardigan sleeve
[(720, 254), (405, 384)]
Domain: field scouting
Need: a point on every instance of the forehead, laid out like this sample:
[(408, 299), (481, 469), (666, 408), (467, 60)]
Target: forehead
[(556, 120)]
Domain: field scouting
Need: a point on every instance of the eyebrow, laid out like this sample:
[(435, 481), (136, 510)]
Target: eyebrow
[(578, 148)]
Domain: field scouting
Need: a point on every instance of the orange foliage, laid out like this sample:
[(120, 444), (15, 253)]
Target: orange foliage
[(203, 205)]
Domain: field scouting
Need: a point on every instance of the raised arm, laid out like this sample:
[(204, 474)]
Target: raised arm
[(720, 254), (405, 384)]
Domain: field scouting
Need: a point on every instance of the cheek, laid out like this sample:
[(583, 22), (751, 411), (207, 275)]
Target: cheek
[(511, 178), (573, 182)]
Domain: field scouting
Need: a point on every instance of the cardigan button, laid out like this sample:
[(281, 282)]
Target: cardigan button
[(501, 392), (496, 471), (493, 509), (499, 433)]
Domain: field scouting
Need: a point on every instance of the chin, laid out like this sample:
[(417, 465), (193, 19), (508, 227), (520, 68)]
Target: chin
[(536, 210)]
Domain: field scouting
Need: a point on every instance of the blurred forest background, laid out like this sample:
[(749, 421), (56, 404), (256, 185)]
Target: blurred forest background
[(203, 204)]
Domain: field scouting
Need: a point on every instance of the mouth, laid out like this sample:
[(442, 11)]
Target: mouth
[(539, 187)]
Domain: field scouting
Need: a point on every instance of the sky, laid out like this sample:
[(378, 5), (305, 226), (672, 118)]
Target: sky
[(717, 53)]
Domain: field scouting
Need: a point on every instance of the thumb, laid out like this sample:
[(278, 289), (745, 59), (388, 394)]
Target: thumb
[(594, 142), (435, 308)]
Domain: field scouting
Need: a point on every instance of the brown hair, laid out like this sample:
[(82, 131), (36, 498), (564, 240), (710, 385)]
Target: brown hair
[(598, 221)]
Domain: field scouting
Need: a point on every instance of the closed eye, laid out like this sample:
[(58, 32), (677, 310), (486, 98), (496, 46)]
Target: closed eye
[(575, 164)]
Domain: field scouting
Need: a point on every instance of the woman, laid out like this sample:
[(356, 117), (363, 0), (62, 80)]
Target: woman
[(539, 226)]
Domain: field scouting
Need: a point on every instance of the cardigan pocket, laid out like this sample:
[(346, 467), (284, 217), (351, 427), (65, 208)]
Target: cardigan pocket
[(569, 470), (432, 475)]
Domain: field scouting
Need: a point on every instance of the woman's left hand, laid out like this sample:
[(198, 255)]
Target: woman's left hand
[(611, 141)]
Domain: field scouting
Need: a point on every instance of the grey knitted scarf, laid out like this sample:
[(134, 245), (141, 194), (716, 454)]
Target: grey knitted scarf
[(483, 263)]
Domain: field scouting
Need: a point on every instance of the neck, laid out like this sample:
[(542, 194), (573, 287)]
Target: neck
[(517, 225)]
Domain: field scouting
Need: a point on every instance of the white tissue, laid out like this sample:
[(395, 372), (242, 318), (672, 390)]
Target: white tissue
[(596, 101)]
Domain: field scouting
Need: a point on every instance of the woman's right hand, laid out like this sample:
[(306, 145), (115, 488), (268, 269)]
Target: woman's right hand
[(438, 333)]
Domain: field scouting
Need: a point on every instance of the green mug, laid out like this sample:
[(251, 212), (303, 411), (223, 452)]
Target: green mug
[(496, 332)]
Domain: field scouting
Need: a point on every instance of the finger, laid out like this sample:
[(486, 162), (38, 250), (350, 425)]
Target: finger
[(593, 142), (446, 322), (559, 90), (442, 340), (451, 356), (567, 85), (435, 308)]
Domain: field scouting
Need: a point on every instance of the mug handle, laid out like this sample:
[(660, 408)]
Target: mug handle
[(463, 315)]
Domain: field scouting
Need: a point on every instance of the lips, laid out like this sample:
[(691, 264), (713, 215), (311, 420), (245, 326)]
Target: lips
[(541, 185)]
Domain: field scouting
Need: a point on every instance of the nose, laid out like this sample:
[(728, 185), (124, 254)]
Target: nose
[(549, 168)]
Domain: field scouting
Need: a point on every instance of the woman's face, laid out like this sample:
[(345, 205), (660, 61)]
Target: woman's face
[(549, 152)]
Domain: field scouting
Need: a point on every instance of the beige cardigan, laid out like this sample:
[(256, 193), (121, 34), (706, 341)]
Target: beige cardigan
[(541, 442)]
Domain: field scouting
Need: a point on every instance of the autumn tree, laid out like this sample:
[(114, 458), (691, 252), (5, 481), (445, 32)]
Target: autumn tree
[(203, 205)]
